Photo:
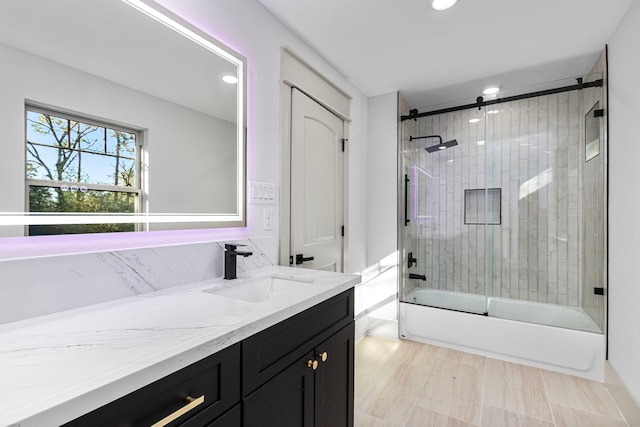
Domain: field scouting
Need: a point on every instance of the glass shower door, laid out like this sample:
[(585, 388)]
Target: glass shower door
[(505, 208), (443, 259)]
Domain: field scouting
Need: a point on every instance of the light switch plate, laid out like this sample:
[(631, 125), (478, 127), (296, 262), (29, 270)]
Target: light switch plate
[(262, 193), (267, 215)]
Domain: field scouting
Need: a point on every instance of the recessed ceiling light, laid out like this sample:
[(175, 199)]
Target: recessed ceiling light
[(480, 142), (230, 79), (442, 4), (476, 120), (491, 90)]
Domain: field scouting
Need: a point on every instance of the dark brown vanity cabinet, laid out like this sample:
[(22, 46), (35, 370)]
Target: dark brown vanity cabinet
[(297, 373), (309, 392)]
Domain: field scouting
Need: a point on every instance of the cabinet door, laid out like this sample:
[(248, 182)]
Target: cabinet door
[(284, 401), (334, 380)]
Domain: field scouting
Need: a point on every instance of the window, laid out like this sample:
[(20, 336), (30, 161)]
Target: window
[(75, 165)]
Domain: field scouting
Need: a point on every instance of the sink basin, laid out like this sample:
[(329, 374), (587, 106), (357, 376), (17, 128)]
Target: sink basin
[(268, 288)]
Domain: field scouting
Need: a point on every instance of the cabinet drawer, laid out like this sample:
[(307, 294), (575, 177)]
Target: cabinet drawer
[(269, 352), (232, 418), (217, 378)]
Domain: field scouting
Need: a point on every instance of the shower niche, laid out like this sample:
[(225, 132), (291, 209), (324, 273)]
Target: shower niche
[(482, 206)]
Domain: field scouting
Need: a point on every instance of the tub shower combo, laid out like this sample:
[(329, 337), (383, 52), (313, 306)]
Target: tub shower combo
[(502, 229)]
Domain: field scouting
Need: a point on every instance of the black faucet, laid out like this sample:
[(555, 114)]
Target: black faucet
[(230, 254), (411, 260)]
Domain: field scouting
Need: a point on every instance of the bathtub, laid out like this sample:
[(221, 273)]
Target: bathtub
[(547, 336)]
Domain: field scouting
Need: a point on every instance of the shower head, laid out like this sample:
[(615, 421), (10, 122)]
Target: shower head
[(437, 147), (442, 146)]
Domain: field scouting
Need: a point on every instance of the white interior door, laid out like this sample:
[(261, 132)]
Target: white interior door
[(317, 185)]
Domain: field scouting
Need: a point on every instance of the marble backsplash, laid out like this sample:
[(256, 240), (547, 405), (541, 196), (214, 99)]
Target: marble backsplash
[(33, 287)]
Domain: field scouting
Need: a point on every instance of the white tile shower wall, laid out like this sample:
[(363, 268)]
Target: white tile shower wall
[(38, 286), (529, 149)]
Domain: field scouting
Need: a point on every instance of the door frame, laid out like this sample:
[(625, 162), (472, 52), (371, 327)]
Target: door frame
[(297, 73)]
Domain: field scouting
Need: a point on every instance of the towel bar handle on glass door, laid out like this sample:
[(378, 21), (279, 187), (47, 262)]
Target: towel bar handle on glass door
[(418, 276), (406, 200)]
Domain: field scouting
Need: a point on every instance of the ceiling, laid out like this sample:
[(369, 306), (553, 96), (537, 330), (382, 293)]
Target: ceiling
[(114, 41), (434, 57)]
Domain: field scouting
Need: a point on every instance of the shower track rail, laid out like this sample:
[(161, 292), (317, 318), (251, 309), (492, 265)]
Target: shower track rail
[(481, 103)]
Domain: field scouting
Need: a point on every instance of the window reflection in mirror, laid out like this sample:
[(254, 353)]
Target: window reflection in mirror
[(78, 166)]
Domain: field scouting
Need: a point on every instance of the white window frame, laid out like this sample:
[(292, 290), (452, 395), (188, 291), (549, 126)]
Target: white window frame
[(137, 189)]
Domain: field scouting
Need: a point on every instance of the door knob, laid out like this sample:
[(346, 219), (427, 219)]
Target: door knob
[(323, 356), (300, 258), (313, 364)]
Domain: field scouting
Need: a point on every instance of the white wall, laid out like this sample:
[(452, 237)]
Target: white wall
[(624, 201), (249, 29), (382, 177), (379, 287)]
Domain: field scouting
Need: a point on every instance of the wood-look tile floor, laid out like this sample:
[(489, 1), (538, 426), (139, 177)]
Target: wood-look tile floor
[(408, 384)]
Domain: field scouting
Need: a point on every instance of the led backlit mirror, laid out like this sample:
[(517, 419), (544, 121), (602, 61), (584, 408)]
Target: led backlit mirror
[(117, 116)]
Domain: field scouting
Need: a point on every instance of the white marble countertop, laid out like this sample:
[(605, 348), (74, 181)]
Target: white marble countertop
[(57, 367)]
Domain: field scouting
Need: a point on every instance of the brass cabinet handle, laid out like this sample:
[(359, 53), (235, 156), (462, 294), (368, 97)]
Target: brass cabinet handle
[(323, 356), (191, 404), (313, 364)]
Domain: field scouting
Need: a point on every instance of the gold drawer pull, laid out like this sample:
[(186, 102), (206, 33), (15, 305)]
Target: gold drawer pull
[(313, 364), (192, 402), (324, 356)]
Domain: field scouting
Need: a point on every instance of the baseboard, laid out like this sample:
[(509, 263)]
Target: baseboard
[(621, 395), (382, 328), (361, 327)]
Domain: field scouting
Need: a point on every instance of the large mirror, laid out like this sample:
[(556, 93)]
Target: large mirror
[(117, 116)]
